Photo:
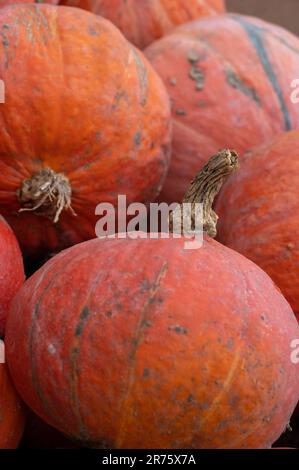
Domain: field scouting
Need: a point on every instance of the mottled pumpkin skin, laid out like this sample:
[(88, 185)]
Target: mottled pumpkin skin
[(12, 416), (259, 212), (142, 344), (82, 101), (11, 270), (4, 3), (236, 95), (144, 21)]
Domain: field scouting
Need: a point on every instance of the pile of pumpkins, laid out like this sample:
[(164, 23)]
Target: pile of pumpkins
[(121, 343)]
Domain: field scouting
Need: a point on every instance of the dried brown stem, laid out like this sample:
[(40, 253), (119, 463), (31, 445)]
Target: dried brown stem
[(47, 193), (206, 185)]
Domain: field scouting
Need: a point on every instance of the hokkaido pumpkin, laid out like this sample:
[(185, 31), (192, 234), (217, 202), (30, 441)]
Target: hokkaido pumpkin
[(144, 21), (85, 118), (11, 270), (139, 343), (229, 78), (12, 417), (259, 212)]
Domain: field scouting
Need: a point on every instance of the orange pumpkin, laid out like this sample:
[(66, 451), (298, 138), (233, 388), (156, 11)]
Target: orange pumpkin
[(259, 212), (144, 21), (11, 270), (85, 118), (12, 417), (157, 346), (229, 79)]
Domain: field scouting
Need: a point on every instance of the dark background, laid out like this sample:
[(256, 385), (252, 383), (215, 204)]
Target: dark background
[(282, 12)]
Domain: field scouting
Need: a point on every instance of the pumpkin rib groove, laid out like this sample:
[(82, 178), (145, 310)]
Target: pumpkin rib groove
[(75, 352), (136, 339), (195, 133), (187, 127), (282, 41), (142, 76), (184, 9), (210, 10), (144, 21), (74, 397), (226, 388), (256, 40), (5, 127), (230, 375), (33, 357), (213, 10), (270, 32), (161, 10), (34, 375), (135, 20)]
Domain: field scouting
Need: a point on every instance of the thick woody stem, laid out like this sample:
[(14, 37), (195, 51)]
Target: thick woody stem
[(47, 194), (206, 185)]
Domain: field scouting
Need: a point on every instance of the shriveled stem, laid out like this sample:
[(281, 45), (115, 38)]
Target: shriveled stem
[(206, 185), (47, 193)]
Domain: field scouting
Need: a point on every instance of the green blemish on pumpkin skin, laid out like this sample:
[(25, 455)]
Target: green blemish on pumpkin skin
[(143, 77), (180, 112), (92, 31), (195, 73), (256, 37), (179, 329), (120, 95), (98, 136), (137, 138), (5, 44), (84, 315), (190, 399), (236, 82)]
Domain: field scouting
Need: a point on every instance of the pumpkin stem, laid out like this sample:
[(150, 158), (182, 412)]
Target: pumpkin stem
[(47, 193), (206, 185)]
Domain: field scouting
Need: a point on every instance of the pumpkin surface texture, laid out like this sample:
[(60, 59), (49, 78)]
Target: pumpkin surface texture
[(85, 118), (12, 416), (4, 3), (144, 21), (259, 212), (157, 346), (229, 78), (189, 350), (11, 270)]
